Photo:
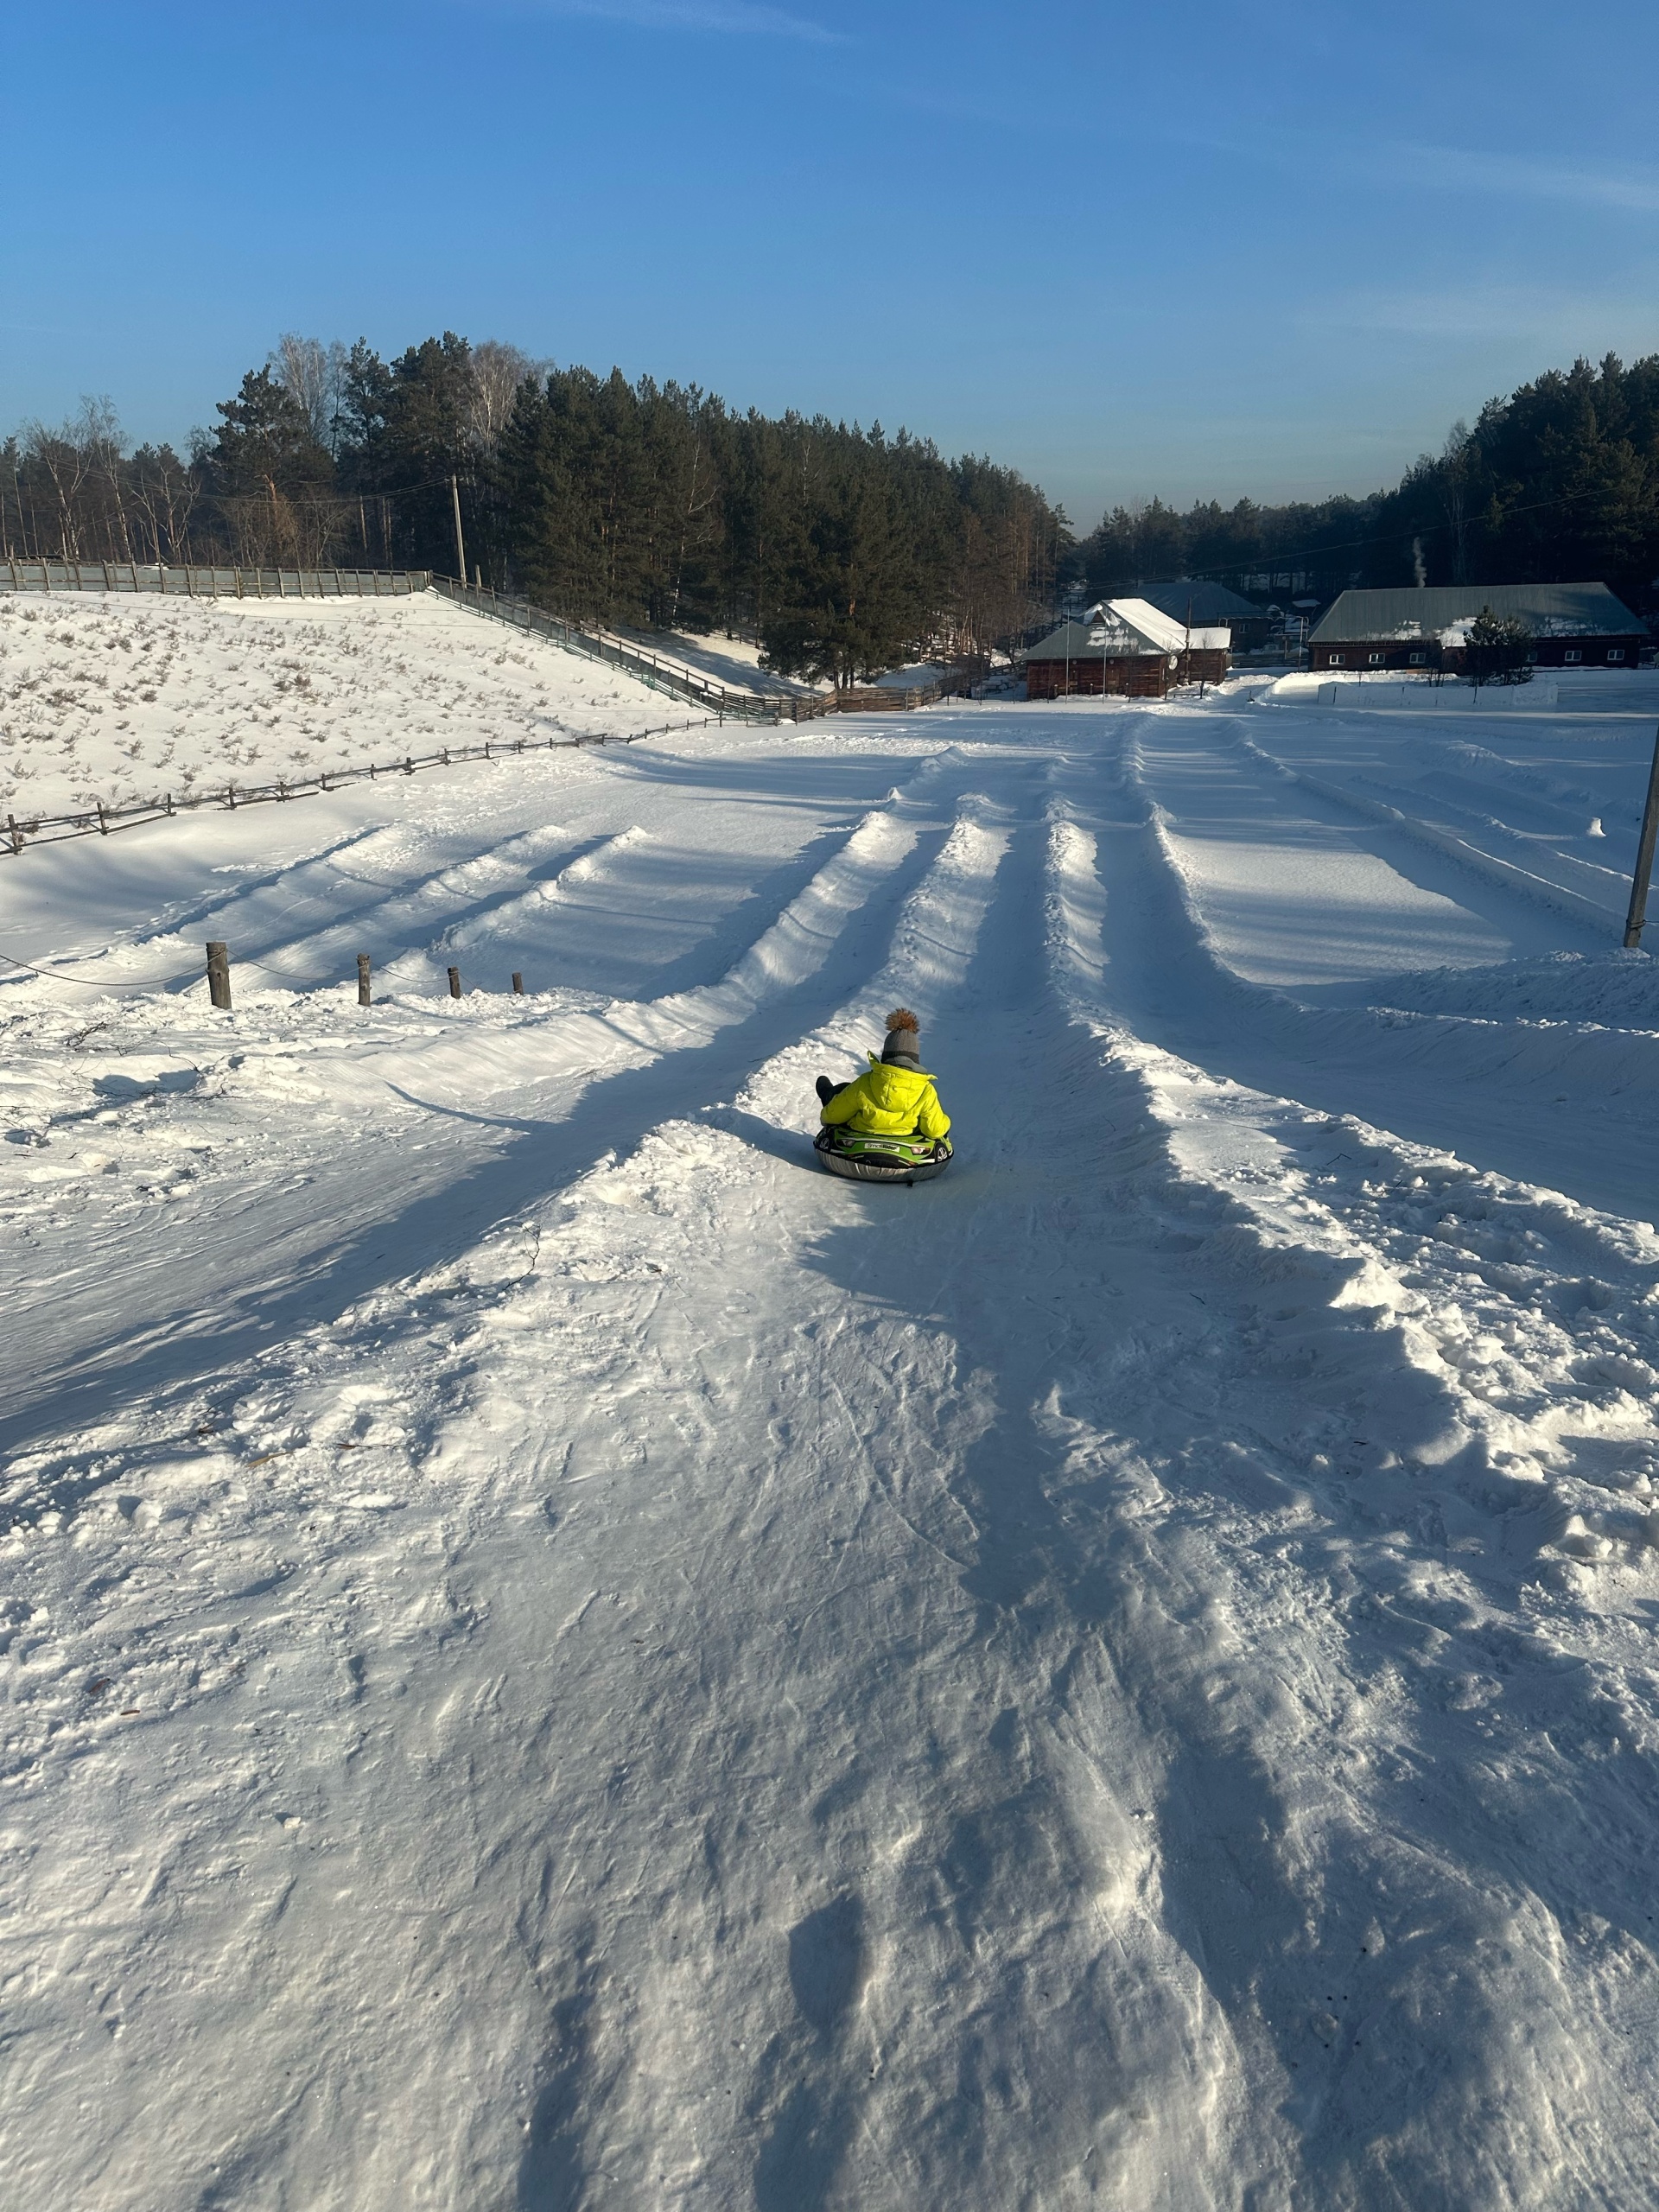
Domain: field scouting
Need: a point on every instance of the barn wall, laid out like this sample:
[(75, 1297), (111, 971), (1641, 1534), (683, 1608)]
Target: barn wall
[(1396, 652), (1207, 666), (1136, 676)]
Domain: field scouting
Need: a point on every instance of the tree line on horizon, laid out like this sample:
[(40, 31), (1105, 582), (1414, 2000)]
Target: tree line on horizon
[(841, 551), (1557, 483), (641, 505)]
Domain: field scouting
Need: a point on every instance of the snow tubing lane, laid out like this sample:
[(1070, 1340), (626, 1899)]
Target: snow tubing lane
[(881, 1165)]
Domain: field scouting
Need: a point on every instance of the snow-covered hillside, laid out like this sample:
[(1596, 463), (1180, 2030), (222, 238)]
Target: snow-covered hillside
[(556, 1656), (118, 699)]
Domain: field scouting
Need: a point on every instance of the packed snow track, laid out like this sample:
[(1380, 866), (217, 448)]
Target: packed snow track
[(556, 1656)]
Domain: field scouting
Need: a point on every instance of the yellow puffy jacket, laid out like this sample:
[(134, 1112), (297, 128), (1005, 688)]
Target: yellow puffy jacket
[(889, 1102)]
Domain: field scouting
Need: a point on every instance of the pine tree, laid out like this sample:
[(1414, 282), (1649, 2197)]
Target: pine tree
[(1498, 648), (272, 480)]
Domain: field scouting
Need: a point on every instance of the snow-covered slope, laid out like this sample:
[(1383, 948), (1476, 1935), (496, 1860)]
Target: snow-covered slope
[(118, 699), (557, 1656)]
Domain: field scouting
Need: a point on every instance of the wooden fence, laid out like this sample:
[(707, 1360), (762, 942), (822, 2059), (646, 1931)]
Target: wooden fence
[(675, 677), (210, 582), (101, 821), (653, 669), (722, 700)]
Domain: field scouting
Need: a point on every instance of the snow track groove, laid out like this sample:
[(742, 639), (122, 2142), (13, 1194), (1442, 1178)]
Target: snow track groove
[(565, 1081), (1490, 1090)]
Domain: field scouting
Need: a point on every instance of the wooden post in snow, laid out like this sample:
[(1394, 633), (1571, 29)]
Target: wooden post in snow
[(455, 982), (218, 973), (1643, 876), (460, 546), (518, 984), (364, 996)]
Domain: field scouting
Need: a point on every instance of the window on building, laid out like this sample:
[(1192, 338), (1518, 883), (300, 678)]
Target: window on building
[(1336, 660), (1417, 660), (1532, 660), (1615, 653), (1377, 660), (1571, 655)]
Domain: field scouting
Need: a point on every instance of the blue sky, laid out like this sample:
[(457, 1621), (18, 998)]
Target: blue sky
[(1222, 249)]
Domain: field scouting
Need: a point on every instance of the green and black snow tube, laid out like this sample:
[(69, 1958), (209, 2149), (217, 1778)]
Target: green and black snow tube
[(882, 1160)]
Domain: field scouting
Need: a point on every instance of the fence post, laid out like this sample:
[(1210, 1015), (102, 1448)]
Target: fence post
[(15, 832), (1636, 919), (218, 973), (102, 826), (518, 984), (455, 982), (364, 996)]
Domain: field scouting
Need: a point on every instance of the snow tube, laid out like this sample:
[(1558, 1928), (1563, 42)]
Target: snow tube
[(881, 1159)]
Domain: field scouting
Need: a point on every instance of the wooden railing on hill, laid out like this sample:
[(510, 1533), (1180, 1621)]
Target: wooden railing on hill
[(676, 679), (194, 583), (663, 675), (102, 821), (684, 681)]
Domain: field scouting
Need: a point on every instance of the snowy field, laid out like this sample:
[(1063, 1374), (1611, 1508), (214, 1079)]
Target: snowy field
[(123, 699), (555, 1657)]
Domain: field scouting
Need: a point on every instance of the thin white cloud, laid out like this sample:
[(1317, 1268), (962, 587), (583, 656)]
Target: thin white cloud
[(1581, 322), (1424, 168), (732, 18), (1516, 177)]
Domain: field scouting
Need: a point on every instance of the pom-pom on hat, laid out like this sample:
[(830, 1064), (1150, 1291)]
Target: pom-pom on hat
[(903, 1047)]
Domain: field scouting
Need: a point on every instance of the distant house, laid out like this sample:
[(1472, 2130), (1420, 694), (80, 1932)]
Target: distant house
[(1576, 626), (1125, 646), (1211, 606)]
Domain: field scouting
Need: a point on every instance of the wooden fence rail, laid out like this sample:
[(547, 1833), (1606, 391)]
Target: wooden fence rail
[(102, 821), (722, 700), (663, 675), (674, 677), (210, 582)]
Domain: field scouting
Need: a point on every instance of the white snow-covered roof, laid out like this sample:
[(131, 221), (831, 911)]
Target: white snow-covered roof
[(1125, 629), (1160, 630), (1445, 611)]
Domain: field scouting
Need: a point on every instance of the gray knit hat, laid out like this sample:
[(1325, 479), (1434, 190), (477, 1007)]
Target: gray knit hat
[(903, 1047)]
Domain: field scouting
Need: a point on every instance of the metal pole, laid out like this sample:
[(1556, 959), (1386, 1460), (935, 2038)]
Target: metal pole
[(1643, 876), (461, 545)]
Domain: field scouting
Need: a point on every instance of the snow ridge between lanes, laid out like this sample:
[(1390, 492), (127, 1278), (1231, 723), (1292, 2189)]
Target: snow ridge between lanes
[(1597, 902)]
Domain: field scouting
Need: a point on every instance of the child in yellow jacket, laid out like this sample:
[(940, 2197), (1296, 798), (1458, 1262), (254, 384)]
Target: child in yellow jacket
[(895, 1098)]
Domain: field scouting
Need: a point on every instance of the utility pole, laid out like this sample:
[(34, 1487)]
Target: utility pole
[(460, 544), (1643, 876)]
